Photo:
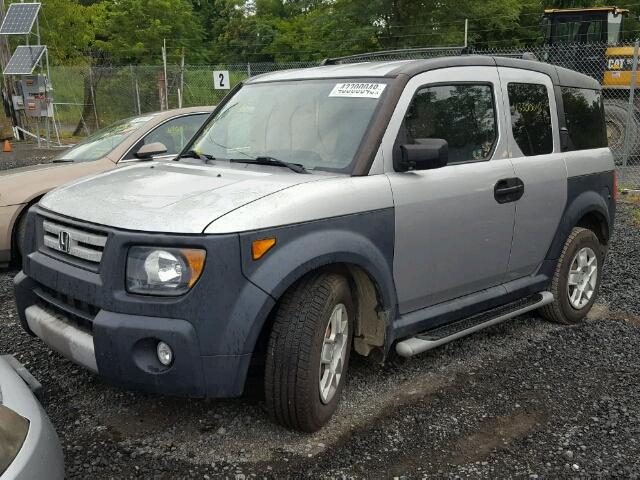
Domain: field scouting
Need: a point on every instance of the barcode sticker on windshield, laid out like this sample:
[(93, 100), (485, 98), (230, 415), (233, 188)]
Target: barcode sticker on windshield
[(359, 90)]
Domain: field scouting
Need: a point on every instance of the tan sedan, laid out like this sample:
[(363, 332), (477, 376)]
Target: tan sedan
[(152, 136)]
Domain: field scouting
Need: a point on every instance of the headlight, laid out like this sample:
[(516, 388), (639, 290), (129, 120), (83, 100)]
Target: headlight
[(163, 271), (13, 431)]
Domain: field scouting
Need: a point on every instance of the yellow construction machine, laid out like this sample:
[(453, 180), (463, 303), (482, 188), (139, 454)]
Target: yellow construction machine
[(590, 40)]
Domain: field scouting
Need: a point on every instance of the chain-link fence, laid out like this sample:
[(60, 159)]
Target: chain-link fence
[(89, 98)]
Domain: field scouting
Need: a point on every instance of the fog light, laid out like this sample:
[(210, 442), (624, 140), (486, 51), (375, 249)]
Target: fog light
[(165, 354)]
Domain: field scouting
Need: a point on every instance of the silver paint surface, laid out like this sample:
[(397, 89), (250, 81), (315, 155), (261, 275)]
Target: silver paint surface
[(326, 198), (539, 211), (452, 237), (171, 197), (40, 456), (362, 69)]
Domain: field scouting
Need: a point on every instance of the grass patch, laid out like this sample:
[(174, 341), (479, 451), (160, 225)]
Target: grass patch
[(636, 215)]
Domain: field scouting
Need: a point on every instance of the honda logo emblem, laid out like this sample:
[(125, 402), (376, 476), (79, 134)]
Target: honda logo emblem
[(64, 241)]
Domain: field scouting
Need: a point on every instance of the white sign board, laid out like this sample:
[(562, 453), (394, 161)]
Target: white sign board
[(358, 90), (221, 80)]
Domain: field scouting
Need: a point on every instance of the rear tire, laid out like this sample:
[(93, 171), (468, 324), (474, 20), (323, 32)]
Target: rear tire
[(308, 342), (616, 116), (576, 281)]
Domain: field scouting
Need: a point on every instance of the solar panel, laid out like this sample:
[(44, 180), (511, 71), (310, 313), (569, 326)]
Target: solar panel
[(24, 59), (19, 18)]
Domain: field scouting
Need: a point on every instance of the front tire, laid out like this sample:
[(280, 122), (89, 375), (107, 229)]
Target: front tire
[(308, 352), (576, 281)]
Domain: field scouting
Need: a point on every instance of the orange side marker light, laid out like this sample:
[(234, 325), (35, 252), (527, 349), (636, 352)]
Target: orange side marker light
[(260, 247)]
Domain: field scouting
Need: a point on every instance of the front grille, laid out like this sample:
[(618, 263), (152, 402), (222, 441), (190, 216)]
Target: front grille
[(81, 313), (83, 244)]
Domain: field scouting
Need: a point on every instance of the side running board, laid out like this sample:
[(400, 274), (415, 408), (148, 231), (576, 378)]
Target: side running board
[(446, 333)]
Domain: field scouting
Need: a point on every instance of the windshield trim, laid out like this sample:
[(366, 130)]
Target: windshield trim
[(372, 136)]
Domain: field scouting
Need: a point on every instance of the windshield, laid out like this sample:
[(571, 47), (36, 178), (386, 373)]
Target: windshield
[(316, 123), (103, 141)]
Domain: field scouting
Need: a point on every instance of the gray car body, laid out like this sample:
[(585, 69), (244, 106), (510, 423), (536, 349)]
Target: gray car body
[(41, 453), (424, 247)]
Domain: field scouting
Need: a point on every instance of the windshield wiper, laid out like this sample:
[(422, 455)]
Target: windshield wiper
[(193, 154), (296, 167), (62, 160)]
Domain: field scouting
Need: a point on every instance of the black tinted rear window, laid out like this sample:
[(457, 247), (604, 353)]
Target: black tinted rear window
[(584, 114)]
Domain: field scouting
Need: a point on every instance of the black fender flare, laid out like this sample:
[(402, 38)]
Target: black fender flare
[(363, 240), (584, 203)]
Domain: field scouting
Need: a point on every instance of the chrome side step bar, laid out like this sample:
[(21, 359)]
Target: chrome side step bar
[(446, 333)]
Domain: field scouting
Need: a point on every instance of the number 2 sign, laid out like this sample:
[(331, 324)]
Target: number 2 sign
[(221, 80)]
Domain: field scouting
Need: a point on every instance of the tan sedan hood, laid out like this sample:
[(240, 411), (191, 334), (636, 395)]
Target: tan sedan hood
[(21, 185)]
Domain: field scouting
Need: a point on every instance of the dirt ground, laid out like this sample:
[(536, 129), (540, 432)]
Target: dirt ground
[(526, 399)]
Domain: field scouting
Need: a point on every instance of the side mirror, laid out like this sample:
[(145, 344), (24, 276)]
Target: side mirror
[(424, 154), (145, 152)]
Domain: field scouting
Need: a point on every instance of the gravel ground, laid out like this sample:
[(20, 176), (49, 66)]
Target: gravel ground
[(526, 398), (25, 154)]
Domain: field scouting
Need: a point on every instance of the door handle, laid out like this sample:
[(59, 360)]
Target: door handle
[(508, 190)]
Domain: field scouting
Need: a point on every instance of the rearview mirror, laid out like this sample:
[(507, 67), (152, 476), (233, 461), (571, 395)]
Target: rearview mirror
[(424, 154), (151, 149)]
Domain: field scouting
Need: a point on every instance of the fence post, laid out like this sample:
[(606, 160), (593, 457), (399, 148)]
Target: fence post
[(133, 89), (630, 111), (248, 70)]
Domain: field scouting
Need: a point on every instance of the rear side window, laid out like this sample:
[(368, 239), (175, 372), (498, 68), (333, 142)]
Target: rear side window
[(463, 115), (584, 114), (530, 118)]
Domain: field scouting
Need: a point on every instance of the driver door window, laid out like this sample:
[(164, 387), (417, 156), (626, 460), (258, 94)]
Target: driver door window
[(464, 115)]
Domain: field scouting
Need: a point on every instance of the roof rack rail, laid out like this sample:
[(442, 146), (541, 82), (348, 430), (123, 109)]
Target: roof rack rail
[(364, 56), (524, 55), (454, 51)]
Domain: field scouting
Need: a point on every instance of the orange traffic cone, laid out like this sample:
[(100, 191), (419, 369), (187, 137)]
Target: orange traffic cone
[(7, 146)]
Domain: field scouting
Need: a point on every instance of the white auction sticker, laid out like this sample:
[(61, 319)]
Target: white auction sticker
[(358, 90)]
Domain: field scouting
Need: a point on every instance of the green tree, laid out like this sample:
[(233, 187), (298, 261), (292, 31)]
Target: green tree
[(134, 30)]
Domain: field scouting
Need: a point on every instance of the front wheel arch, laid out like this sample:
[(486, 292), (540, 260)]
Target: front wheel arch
[(373, 314)]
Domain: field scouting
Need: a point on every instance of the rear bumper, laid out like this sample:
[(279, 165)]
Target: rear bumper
[(41, 454), (122, 349)]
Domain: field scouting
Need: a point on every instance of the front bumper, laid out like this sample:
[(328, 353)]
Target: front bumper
[(90, 318), (41, 453)]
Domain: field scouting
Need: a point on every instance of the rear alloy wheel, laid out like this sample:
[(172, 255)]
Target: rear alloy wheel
[(308, 351), (583, 278), (576, 280)]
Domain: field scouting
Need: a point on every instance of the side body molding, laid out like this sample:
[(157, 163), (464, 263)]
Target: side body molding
[(365, 240)]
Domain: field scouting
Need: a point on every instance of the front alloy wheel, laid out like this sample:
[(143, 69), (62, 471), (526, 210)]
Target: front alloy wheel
[(334, 352)]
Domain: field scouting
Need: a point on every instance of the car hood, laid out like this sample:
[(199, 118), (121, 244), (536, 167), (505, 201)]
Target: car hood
[(169, 197)]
